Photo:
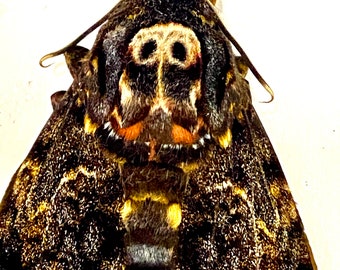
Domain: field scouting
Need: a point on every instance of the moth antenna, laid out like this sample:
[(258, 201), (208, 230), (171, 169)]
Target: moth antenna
[(245, 57), (212, 2), (250, 65), (76, 41)]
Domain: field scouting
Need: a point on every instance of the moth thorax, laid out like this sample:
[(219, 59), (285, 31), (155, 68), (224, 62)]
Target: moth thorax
[(159, 86)]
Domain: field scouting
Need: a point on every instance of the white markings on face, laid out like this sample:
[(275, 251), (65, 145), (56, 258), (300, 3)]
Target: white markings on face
[(171, 43)]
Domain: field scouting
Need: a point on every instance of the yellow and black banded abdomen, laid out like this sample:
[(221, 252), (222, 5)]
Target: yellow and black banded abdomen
[(151, 213)]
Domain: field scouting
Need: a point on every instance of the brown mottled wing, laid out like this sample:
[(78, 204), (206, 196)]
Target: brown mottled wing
[(239, 212), (61, 208)]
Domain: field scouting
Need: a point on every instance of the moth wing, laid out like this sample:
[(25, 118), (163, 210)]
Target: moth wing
[(61, 207), (239, 213)]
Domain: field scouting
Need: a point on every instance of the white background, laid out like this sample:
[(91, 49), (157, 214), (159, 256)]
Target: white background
[(295, 46)]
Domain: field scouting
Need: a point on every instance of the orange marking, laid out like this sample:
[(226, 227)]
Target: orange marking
[(152, 154), (132, 132), (200, 123), (182, 135)]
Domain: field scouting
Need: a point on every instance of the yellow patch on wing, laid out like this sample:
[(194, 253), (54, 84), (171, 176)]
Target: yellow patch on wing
[(89, 126), (223, 186), (32, 165), (263, 227), (174, 215), (275, 191), (292, 210), (240, 192), (27, 174), (42, 207), (225, 139), (72, 175)]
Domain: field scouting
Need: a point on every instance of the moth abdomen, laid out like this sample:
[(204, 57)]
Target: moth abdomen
[(151, 232), (152, 213)]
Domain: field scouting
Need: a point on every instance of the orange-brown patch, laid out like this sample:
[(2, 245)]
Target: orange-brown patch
[(200, 123), (132, 132), (152, 154), (182, 135)]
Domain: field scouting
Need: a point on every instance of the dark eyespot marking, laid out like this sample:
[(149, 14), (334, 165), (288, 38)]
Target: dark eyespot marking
[(147, 49), (179, 52)]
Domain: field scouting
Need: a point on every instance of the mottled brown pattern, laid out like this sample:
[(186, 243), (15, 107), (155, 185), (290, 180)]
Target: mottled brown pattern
[(231, 211), (109, 183)]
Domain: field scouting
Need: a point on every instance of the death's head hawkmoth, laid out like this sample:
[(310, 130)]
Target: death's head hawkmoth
[(154, 158)]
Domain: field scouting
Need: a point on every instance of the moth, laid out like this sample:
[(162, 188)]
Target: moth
[(154, 158)]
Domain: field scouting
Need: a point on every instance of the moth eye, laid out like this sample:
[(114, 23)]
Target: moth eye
[(147, 49), (179, 52)]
